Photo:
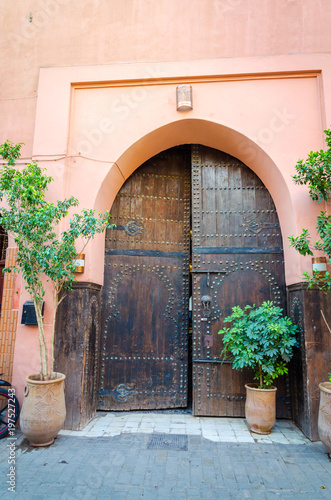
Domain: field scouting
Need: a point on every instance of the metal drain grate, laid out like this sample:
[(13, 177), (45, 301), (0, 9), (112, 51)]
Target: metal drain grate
[(177, 442)]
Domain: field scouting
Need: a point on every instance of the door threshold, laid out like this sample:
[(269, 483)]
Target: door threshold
[(180, 411)]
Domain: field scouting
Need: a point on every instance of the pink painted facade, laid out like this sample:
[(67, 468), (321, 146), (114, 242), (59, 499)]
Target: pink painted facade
[(91, 91)]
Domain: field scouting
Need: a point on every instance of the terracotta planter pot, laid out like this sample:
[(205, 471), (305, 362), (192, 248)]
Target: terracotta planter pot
[(324, 415), (260, 408), (43, 412)]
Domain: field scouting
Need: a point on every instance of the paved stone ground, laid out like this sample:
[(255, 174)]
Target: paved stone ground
[(175, 422), (120, 466)]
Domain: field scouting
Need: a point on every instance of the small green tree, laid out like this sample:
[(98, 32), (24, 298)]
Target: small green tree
[(44, 257), (315, 172), (260, 338)]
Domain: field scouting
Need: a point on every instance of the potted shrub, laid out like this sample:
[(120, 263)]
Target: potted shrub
[(324, 414), (46, 258), (262, 339), (315, 172)]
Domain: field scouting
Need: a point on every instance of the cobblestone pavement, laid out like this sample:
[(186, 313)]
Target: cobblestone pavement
[(194, 458)]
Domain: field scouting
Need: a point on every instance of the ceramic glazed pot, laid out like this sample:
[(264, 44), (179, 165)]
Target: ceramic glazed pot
[(43, 412), (260, 408), (324, 415)]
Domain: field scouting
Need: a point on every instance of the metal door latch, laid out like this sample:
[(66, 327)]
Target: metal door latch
[(209, 340), (205, 303)]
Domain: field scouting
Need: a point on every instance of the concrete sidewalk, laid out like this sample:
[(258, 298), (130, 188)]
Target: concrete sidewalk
[(168, 456)]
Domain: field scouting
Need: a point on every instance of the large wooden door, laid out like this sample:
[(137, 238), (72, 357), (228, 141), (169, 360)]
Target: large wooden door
[(144, 362), (237, 259)]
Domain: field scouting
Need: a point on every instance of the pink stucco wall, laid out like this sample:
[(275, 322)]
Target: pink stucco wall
[(90, 88)]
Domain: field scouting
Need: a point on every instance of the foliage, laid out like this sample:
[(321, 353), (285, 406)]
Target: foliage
[(10, 152), (260, 338), (316, 174), (45, 257)]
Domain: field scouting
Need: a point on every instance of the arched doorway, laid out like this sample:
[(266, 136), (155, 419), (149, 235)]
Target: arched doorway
[(236, 258)]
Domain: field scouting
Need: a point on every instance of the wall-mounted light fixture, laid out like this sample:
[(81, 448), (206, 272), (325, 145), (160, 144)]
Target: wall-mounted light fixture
[(79, 263), (319, 265), (184, 97)]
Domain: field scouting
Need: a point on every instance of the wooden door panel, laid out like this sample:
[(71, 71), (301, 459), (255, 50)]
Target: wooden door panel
[(237, 259), (216, 395), (145, 364), (232, 285), (146, 291), (231, 206)]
